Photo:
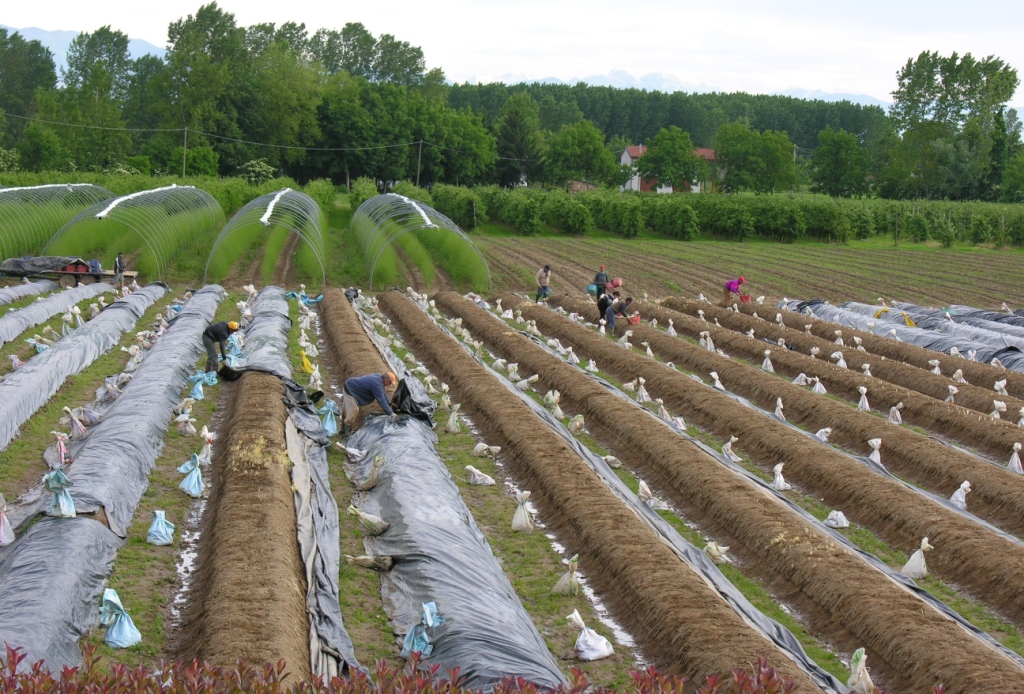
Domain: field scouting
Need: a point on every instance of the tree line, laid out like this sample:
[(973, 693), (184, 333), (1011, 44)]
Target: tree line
[(342, 104)]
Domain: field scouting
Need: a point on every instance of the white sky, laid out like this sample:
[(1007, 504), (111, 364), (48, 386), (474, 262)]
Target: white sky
[(759, 47)]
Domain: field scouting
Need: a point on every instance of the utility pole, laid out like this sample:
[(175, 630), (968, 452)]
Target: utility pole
[(184, 153), (419, 159)]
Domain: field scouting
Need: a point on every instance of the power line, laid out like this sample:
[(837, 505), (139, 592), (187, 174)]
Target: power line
[(95, 127)]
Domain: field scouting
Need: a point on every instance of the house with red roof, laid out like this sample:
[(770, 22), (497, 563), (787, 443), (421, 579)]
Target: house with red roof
[(634, 152)]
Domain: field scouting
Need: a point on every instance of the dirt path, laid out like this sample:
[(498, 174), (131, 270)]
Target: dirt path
[(284, 271), (682, 625), (248, 596), (900, 630)]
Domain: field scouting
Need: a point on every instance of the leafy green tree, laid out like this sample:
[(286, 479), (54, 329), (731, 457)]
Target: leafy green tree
[(1013, 179), (104, 49), (25, 66), (670, 159), (777, 154), (517, 133), (840, 164), (763, 162), (397, 61), (40, 149), (199, 161), (577, 152), (556, 113)]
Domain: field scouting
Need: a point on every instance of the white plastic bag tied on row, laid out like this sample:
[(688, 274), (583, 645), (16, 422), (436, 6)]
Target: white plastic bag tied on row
[(817, 388), (934, 363), (815, 351), (650, 353), (524, 384), (372, 525), (778, 409), (837, 519), (569, 583), (823, 434), (998, 407), (916, 567), (839, 337), (866, 368), (1020, 422), (624, 340), (717, 383), (959, 498), (6, 529), (521, 521), (513, 372), (1000, 387), (647, 496), (767, 363), (477, 478), (591, 366), (663, 411), (1014, 464), (671, 330), (840, 361), (801, 379), (576, 424), (700, 315), (454, 426), (589, 644), (600, 328), (482, 450), (876, 450), (958, 376), (717, 552), (860, 681), (953, 390), (571, 356), (894, 413), (780, 484), (642, 395), (858, 341), (862, 404), (728, 452)]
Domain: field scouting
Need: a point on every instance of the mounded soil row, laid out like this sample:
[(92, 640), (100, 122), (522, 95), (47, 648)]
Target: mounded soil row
[(682, 625), (973, 397), (966, 554), (913, 640), (248, 599), (974, 372), (351, 352), (998, 493)]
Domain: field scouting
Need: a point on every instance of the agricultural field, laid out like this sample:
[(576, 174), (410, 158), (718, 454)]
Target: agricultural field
[(710, 489)]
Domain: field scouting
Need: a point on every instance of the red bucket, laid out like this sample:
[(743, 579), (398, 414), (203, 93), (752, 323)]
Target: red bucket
[(745, 298)]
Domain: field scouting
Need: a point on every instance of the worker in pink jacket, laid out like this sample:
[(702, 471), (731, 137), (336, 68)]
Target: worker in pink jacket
[(732, 287)]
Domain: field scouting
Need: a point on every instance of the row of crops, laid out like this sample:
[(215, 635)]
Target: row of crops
[(782, 217)]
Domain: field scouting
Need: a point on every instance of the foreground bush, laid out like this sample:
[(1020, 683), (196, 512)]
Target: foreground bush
[(185, 678)]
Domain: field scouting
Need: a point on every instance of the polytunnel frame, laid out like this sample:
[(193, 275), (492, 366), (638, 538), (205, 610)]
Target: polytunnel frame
[(281, 206), (136, 212), (391, 215), (14, 237)]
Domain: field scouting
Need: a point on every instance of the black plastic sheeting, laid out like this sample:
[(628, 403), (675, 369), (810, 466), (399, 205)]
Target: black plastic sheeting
[(20, 291), (112, 466), (1010, 357), (27, 389), (266, 336), (992, 316), (17, 322), (696, 559), (50, 583), (440, 555), (996, 334), (20, 267), (1005, 329), (322, 604)]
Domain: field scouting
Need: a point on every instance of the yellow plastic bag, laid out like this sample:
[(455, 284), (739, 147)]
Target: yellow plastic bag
[(307, 367)]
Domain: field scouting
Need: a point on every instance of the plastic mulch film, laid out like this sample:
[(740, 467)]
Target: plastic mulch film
[(112, 465), (992, 316), (906, 582), (1010, 357), (266, 337), (441, 556), (20, 291), (1010, 331), (26, 390), (693, 557), (991, 334), (16, 322), (330, 647), (50, 583)]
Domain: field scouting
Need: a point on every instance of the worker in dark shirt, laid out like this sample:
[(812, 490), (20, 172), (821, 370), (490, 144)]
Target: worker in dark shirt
[(119, 270), (601, 280), (361, 391), (605, 301), (217, 333)]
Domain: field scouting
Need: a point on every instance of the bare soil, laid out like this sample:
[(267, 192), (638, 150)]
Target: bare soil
[(886, 617), (248, 598), (284, 271), (681, 625)]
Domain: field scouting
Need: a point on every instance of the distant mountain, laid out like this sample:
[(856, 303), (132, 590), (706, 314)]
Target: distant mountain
[(862, 99), (60, 41)]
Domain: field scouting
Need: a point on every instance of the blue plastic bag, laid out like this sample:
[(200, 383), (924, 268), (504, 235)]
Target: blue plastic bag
[(193, 482), (234, 346), (121, 631), (330, 413), (201, 378), (57, 483), (309, 302), (291, 295), (161, 532), (417, 640)]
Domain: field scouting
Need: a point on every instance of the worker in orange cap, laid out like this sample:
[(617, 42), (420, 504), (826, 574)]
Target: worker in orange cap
[(217, 333), (361, 391)]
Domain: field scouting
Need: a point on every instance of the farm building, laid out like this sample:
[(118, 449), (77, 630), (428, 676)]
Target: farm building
[(633, 152)]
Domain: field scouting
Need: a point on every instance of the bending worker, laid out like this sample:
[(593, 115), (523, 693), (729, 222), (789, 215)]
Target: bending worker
[(214, 334), (732, 287), (363, 390)]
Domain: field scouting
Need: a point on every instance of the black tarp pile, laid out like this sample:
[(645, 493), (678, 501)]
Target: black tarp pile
[(20, 291), (53, 574), (21, 267), (441, 556), (27, 389), (16, 322), (266, 350), (1010, 357)]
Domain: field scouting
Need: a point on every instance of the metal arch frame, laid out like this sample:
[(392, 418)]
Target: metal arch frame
[(393, 216), (139, 213), (287, 208), (15, 235)]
